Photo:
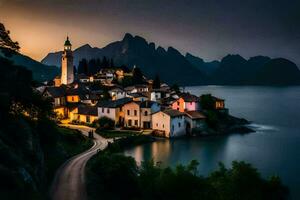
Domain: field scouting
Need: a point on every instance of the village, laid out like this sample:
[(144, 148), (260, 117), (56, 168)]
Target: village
[(141, 104)]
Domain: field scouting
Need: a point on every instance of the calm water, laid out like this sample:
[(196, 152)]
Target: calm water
[(273, 149)]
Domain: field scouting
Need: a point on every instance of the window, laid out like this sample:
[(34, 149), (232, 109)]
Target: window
[(191, 103), (135, 112), (146, 113), (129, 122), (163, 126), (178, 103), (88, 120), (156, 124), (177, 108), (102, 110), (135, 122), (128, 112), (108, 110), (179, 124), (72, 98), (172, 128)]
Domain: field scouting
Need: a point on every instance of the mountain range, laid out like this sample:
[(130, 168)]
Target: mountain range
[(173, 67)]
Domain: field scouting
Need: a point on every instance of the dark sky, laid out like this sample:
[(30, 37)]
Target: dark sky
[(209, 29)]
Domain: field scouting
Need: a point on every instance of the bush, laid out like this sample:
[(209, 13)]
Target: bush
[(105, 123)]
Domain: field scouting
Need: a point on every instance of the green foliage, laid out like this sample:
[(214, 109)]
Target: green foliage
[(137, 76), (156, 82), (104, 123), (212, 119), (114, 133), (207, 102), (6, 42), (176, 88), (109, 172)]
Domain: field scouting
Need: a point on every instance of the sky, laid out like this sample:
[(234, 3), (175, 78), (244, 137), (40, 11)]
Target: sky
[(210, 29)]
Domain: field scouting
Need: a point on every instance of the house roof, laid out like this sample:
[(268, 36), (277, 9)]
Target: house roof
[(114, 104), (88, 110), (187, 97), (56, 92), (82, 76), (195, 115), (147, 104), (80, 90), (173, 113), (136, 95), (213, 97)]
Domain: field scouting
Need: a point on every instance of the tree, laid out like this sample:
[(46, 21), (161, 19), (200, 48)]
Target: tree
[(207, 102), (5, 40), (105, 63), (83, 67), (156, 82), (176, 88), (137, 76)]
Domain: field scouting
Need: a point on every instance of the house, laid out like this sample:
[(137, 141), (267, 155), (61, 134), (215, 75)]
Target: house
[(117, 93), (83, 78), (195, 122), (84, 113), (186, 102), (147, 108), (213, 102), (171, 123), (137, 96), (157, 94), (57, 94), (113, 109), (132, 114), (139, 88)]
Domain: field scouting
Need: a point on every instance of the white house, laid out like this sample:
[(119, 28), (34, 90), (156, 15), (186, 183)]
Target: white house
[(117, 93), (113, 110), (195, 122), (147, 108), (170, 122)]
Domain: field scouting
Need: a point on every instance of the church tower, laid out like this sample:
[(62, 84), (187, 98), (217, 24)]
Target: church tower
[(67, 68)]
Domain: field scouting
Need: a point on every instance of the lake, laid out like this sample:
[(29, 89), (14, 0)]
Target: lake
[(274, 148)]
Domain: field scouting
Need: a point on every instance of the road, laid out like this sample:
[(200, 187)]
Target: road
[(69, 181)]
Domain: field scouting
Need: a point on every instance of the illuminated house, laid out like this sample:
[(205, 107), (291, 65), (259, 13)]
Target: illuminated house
[(170, 123), (58, 97), (113, 109), (186, 102), (84, 113)]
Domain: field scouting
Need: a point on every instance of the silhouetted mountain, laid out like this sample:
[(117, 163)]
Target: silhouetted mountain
[(259, 70), (85, 51), (206, 67), (40, 72), (278, 71), (173, 67)]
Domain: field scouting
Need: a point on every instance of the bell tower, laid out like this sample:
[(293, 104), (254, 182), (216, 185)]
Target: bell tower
[(67, 68)]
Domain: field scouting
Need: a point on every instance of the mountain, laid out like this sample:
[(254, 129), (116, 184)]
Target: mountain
[(258, 70), (40, 72), (206, 67), (85, 51), (170, 64), (173, 67)]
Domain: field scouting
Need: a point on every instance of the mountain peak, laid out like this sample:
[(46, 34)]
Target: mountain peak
[(127, 36), (86, 46)]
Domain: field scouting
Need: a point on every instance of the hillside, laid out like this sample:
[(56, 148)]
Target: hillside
[(173, 67), (40, 72)]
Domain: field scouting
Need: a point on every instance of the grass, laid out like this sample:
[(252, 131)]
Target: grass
[(115, 133)]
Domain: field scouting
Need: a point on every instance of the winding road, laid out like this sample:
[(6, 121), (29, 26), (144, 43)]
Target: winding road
[(69, 181)]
